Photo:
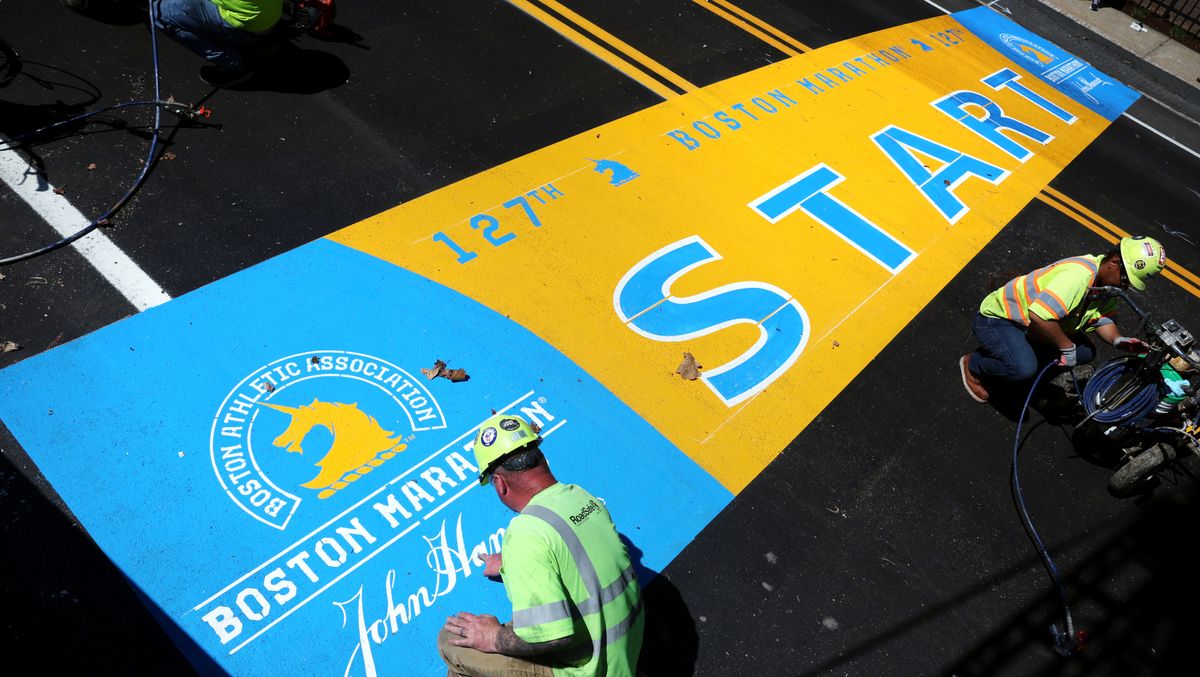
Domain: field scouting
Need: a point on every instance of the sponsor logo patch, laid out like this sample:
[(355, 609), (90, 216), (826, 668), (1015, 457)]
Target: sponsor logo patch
[(510, 424), (488, 437)]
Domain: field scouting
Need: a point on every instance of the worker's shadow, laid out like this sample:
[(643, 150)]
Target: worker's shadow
[(285, 66), (670, 643)]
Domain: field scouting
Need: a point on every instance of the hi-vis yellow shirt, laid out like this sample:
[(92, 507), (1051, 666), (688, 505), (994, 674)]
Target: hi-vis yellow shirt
[(255, 16), (1057, 292)]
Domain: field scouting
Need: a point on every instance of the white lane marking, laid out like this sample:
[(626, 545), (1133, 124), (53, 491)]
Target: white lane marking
[(943, 10), (1169, 139), (108, 259)]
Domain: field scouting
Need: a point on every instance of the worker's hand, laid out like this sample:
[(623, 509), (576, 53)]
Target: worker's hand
[(1129, 344), (1067, 357), (491, 564), (477, 632)]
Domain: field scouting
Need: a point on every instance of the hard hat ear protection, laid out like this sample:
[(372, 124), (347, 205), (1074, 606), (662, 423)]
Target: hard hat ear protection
[(498, 437)]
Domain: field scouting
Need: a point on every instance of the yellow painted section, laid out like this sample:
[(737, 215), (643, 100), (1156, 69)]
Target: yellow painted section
[(558, 279)]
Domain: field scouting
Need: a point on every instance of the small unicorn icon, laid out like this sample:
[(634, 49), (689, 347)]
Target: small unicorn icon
[(617, 172), (359, 446)]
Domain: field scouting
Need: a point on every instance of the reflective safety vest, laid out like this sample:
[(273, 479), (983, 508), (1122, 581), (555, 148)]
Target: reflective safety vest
[(568, 574), (255, 16), (1057, 292)]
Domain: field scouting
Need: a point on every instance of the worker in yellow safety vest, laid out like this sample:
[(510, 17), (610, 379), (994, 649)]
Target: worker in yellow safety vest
[(1048, 314), (577, 606), (222, 31)]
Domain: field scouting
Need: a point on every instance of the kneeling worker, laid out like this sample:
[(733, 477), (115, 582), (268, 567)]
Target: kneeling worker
[(576, 600), (1048, 313)]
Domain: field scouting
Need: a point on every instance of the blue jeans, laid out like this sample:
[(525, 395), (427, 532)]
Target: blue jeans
[(197, 25), (1006, 353)]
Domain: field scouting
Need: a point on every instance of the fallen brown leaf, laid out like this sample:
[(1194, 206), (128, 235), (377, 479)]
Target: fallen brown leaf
[(59, 191), (434, 372), (689, 369), (91, 166), (456, 375), (171, 156), (8, 347), (836, 344)]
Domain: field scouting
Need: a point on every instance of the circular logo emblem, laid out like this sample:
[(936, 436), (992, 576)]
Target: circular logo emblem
[(312, 425), (488, 437), (1030, 51), (1139, 264), (510, 424)]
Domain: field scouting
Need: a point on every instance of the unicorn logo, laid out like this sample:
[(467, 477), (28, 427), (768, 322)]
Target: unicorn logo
[(1029, 50), (617, 173), (350, 394), (359, 446)]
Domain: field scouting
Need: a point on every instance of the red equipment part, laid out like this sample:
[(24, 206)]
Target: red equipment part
[(313, 16)]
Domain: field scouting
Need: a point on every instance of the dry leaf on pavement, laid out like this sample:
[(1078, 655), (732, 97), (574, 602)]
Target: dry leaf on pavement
[(689, 369), (8, 347), (436, 371)]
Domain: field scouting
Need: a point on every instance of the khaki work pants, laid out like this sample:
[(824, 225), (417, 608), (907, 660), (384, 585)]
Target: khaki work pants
[(465, 662)]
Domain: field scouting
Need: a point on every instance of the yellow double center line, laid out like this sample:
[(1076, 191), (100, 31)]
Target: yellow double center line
[(606, 47), (646, 71), (668, 84), (1110, 232), (755, 26)]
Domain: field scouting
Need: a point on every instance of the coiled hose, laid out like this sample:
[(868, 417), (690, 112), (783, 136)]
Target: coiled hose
[(1132, 410)]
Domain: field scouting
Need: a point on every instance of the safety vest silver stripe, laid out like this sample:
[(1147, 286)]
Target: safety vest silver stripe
[(561, 610), (619, 630), (587, 570), (543, 613)]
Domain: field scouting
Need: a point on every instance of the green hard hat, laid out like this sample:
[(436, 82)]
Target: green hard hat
[(498, 437), (1143, 258)]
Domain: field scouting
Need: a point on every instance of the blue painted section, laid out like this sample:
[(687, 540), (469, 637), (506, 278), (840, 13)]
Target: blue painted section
[(989, 127), (783, 324), (898, 144), (810, 193), (1054, 65), (129, 426)]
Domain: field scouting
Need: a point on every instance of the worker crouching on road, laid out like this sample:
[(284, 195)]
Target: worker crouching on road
[(575, 596), (1047, 314), (221, 31)]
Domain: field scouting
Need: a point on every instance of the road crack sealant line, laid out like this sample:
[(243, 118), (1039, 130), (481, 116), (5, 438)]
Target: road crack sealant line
[(183, 110)]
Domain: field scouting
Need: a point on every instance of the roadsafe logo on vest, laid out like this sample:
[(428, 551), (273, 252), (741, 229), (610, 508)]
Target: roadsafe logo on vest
[(311, 425)]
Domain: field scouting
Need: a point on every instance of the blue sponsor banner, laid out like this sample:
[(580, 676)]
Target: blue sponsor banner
[(266, 461), (1052, 64)]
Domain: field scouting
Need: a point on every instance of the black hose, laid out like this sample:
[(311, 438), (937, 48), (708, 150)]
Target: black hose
[(1065, 641), (158, 104)]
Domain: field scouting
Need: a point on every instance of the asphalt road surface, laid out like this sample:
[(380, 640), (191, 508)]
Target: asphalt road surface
[(883, 540)]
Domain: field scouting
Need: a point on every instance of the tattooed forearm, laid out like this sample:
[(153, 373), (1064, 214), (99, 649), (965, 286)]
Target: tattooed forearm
[(509, 644)]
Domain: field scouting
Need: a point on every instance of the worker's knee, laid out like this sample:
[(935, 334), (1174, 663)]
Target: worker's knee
[(1022, 366), (445, 648)]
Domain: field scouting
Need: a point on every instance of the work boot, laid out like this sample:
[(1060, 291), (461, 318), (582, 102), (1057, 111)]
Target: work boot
[(970, 381), (223, 77)]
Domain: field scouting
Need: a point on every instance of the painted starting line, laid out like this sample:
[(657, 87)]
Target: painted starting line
[(801, 215)]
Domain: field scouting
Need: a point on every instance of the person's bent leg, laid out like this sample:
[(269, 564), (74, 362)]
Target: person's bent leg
[(197, 25), (464, 662), (1004, 352)]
